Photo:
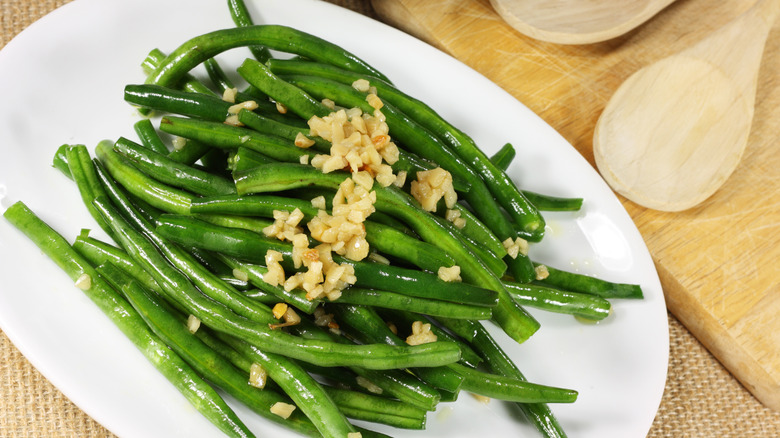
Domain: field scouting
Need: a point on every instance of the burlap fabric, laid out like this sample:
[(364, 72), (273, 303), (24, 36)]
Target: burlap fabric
[(701, 398)]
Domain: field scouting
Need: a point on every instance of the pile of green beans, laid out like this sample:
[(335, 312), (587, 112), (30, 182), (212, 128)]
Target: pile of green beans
[(187, 245)]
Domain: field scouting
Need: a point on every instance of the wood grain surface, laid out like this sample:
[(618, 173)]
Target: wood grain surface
[(718, 262)]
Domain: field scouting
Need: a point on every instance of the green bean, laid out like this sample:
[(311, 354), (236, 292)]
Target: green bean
[(198, 49), (139, 184), (98, 252), (574, 282), (395, 383), (391, 300), (553, 203), (241, 17), (83, 173), (377, 409), (230, 137), (555, 300), (273, 177), (175, 174), (181, 375), (200, 105), (265, 125), (242, 159), (186, 82), (251, 247), (60, 161), (511, 389), (148, 136), (504, 156), (189, 153)]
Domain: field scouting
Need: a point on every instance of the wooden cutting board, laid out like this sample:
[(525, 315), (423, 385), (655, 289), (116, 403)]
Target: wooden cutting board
[(719, 263)]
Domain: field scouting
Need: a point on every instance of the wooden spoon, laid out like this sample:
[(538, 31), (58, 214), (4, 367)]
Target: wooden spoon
[(673, 132), (576, 21)]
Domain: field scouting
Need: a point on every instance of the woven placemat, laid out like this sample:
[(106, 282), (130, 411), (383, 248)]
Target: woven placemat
[(701, 398)]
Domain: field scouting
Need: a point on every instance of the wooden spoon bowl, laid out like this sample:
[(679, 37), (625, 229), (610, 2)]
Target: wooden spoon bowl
[(576, 21)]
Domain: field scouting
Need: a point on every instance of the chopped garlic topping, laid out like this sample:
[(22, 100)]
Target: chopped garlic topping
[(454, 217), (302, 141), (421, 334), (361, 85), (258, 376), (541, 272), (450, 274), (433, 185), (250, 105), (283, 410), (516, 247), (229, 95), (193, 323), (84, 282)]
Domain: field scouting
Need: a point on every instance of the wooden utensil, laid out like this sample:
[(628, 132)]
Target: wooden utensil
[(576, 21), (673, 132)]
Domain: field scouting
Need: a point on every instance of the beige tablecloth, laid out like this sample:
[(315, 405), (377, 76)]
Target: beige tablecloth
[(701, 398)]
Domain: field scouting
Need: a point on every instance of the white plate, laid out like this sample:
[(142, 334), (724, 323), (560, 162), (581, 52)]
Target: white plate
[(61, 81)]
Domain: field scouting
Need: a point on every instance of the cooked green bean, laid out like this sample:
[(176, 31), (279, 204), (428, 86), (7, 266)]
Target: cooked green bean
[(511, 389), (98, 252), (555, 300), (200, 48), (575, 282), (391, 300), (553, 203), (83, 173), (503, 158), (148, 136), (186, 82), (139, 184), (254, 273), (165, 170), (382, 410), (405, 318), (230, 137)]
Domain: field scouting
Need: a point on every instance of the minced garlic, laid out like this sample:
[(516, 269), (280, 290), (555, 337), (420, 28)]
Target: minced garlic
[(515, 247), (449, 274), (282, 409), (258, 376), (541, 272), (421, 334), (84, 282), (433, 185)]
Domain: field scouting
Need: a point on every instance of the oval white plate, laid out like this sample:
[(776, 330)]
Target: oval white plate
[(62, 81)]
